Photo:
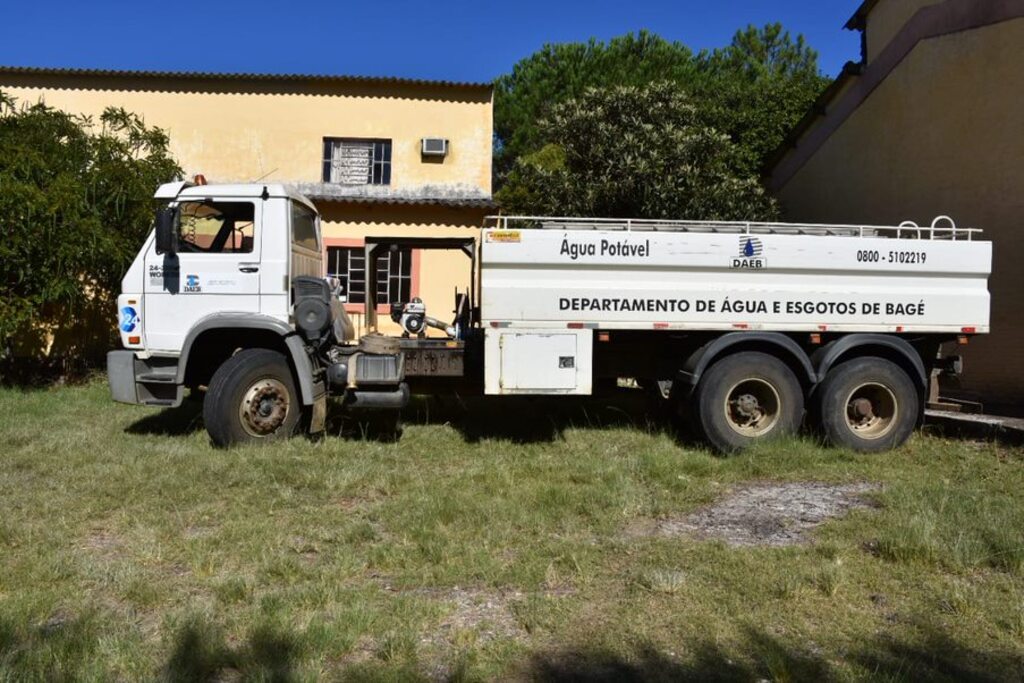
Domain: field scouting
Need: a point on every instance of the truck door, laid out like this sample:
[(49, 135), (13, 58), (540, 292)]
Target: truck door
[(216, 270)]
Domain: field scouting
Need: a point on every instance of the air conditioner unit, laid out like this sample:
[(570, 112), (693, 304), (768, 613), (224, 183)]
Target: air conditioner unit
[(435, 147)]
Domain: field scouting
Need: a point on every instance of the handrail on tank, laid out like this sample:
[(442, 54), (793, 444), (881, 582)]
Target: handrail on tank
[(943, 227)]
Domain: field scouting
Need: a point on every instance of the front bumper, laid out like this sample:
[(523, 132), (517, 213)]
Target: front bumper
[(151, 382)]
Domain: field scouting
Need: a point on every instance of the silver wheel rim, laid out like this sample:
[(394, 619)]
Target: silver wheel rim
[(264, 408), (752, 408), (871, 410)]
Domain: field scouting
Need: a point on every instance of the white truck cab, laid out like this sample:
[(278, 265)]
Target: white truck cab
[(218, 274), (750, 326), (237, 247)]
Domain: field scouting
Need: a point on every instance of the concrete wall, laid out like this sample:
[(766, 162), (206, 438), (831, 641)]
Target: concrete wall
[(941, 134)]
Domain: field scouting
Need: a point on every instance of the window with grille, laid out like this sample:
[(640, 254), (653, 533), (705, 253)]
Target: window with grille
[(394, 274), (357, 162)]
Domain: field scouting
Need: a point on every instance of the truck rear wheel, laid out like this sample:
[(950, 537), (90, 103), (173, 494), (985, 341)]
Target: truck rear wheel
[(748, 398), (868, 405), (252, 398)]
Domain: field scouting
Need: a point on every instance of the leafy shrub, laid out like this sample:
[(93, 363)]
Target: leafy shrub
[(75, 204)]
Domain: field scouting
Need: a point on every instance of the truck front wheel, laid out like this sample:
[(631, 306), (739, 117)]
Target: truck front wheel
[(747, 398), (868, 405), (252, 398)]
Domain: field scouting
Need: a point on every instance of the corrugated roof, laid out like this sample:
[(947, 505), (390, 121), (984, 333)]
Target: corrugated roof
[(209, 75), (464, 203), (447, 194)]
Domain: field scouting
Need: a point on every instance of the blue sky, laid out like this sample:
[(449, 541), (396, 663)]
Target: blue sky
[(470, 40)]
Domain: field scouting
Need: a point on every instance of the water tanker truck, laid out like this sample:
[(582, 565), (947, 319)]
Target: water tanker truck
[(750, 330)]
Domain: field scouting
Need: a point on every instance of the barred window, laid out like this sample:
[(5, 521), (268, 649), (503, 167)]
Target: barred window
[(357, 162), (394, 274)]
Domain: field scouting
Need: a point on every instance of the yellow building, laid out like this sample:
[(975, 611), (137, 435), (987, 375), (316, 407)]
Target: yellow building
[(354, 145), (929, 122)]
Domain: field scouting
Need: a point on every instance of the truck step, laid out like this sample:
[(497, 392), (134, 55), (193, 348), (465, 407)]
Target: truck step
[(158, 378)]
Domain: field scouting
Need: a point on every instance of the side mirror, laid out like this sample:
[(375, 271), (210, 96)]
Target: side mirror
[(166, 239)]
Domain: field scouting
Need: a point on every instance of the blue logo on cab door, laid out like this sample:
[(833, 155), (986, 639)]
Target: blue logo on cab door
[(192, 284), (129, 319)]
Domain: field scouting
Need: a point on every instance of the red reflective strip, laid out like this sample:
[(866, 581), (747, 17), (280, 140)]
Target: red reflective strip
[(661, 326), (823, 328), (741, 326), (968, 330), (575, 326), (495, 323), (899, 328)]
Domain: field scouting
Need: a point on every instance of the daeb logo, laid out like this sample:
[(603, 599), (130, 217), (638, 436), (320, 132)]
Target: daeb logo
[(751, 254), (192, 284)]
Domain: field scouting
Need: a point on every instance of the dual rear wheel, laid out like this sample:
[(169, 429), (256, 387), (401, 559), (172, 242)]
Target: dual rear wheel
[(865, 404)]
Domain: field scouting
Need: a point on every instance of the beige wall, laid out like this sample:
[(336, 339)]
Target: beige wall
[(941, 135), (238, 130), (886, 19)]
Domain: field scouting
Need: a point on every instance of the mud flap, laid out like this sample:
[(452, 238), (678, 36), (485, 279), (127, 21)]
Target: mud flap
[(318, 420)]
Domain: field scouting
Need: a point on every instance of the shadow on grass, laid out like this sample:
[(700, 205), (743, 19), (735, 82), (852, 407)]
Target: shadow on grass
[(185, 419), (936, 657), (201, 653), (519, 419), (55, 649), (67, 648), (528, 419)]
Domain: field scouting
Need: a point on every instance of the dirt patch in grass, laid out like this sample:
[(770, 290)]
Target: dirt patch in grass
[(104, 544), (487, 614), (767, 514)]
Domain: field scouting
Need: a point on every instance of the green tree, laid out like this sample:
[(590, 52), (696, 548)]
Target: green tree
[(631, 151), (754, 90), (75, 204), (766, 52), (559, 72), (758, 88)]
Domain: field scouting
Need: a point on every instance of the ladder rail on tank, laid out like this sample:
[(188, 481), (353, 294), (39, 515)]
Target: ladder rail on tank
[(942, 228)]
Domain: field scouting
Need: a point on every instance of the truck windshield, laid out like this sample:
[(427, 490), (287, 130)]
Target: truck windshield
[(216, 227)]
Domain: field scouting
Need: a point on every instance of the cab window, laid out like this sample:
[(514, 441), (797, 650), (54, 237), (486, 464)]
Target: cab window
[(216, 227), (304, 227)]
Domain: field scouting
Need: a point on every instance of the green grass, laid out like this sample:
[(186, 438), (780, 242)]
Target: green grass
[(490, 542)]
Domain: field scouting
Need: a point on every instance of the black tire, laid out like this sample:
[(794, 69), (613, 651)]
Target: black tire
[(868, 405), (747, 398), (262, 380)]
